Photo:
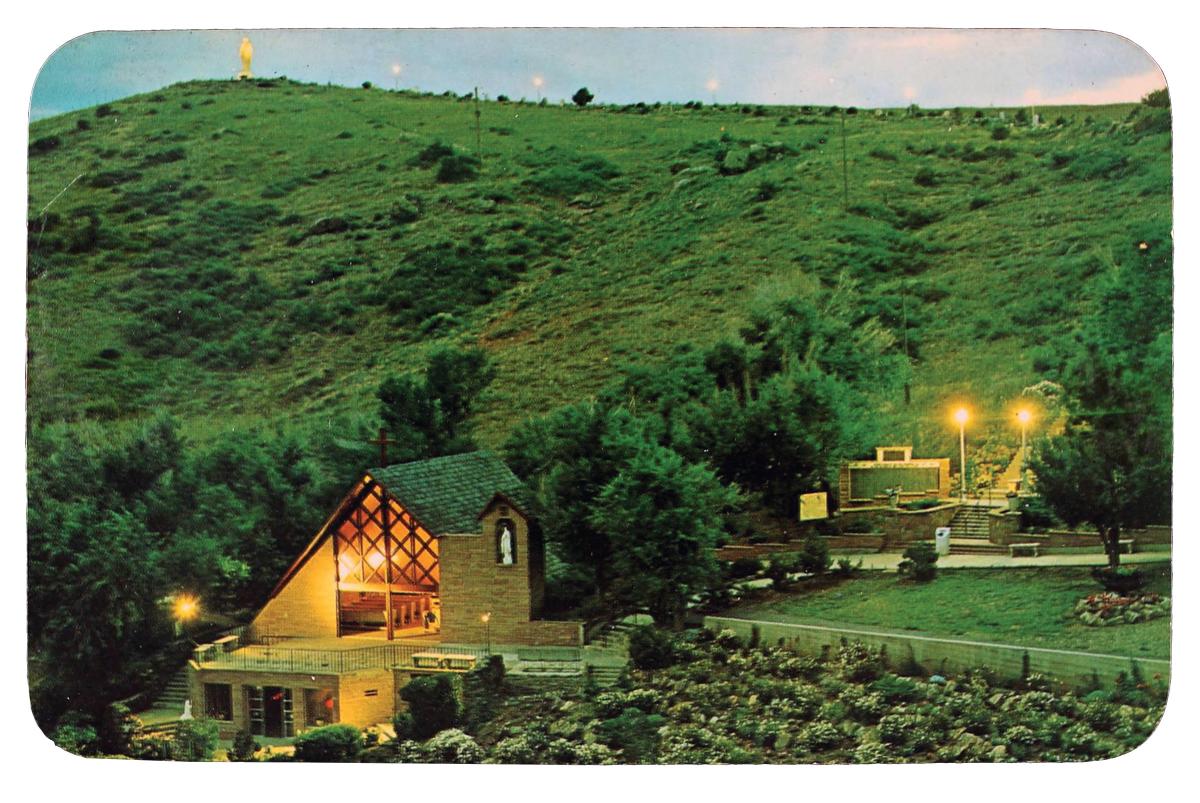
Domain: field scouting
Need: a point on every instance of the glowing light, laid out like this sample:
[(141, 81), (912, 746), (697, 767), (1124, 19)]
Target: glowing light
[(539, 81), (374, 559), (487, 617), (396, 68), (1024, 415), (961, 415), (713, 85), (187, 607), (910, 93)]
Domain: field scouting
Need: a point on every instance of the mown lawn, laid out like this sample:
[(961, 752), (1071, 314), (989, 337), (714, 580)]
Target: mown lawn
[(1015, 606)]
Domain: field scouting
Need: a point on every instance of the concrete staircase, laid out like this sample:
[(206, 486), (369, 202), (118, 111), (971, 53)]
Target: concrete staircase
[(969, 532), (605, 676), (175, 692)]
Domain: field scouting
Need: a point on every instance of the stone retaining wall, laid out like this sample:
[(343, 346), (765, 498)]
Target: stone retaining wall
[(950, 656)]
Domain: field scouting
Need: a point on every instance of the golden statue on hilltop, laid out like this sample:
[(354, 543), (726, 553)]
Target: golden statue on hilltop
[(247, 53)]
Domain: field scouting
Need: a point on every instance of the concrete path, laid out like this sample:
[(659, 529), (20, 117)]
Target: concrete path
[(887, 561)]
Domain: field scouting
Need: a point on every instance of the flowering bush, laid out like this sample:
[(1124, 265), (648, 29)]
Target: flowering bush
[(820, 735), (1111, 608), (873, 753), (453, 747)]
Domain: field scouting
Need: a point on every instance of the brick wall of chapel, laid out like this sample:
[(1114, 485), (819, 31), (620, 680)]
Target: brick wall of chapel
[(473, 583)]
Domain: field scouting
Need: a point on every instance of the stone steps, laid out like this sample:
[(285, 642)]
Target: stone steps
[(175, 692)]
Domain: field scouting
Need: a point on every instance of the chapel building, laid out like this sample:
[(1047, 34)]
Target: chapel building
[(423, 567)]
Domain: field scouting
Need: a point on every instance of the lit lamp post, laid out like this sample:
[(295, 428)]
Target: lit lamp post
[(961, 416), (186, 609), (538, 83), (487, 629), (712, 86), (1024, 416), (396, 75)]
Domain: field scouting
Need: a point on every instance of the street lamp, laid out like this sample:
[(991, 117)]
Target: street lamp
[(186, 609), (1024, 416), (396, 69), (487, 629), (961, 416), (538, 83)]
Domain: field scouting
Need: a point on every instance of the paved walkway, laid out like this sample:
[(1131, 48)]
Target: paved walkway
[(887, 561)]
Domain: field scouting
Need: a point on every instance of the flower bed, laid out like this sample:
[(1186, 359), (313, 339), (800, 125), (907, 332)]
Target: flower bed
[(1111, 608)]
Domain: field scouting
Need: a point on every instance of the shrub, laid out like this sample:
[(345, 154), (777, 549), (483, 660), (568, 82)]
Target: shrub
[(1079, 739), (873, 753), (814, 555), (329, 743), (1119, 580), (74, 736), (896, 689), (743, 567), (366, 84), (1000, 133), (979, 202), (433, 701), (104, 110), (457, 168), (404, 210), (244, 747), (862, 706), (582, 97), (766, 191), (118, 727), (517, 749), (880, 153), (925, 177), (919, 562), (452, 746), (83, 124), (483, 690), (195, 740), (634, 733), (858, 663), (650, 648), (820, 735), (782, 565), (431, 154), (43, 145), (404, 725), (845, 567)]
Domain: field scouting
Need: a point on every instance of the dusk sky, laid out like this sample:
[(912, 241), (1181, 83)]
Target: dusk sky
[(862, 67)]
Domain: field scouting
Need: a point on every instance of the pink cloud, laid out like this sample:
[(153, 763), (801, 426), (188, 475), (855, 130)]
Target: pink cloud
[(1119, 90)]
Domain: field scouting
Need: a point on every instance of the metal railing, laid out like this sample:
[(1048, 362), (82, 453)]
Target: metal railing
[(269, 657)]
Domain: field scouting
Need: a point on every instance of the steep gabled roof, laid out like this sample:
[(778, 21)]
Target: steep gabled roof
[(447, 494)]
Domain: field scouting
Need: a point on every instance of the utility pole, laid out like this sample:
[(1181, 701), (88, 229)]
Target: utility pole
[(478, 135), (904, 329), (845, 174)]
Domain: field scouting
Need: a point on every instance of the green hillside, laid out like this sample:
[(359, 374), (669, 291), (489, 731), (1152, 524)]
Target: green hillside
[(268, 250)]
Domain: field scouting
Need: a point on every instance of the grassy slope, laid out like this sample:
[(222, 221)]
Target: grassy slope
[(661, 258), (1028, 607)]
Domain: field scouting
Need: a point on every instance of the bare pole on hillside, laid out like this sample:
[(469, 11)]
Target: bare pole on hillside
[(845, 173), (478, 135), (904, 324)]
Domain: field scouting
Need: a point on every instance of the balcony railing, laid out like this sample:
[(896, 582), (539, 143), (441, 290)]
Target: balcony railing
[(270, 657)]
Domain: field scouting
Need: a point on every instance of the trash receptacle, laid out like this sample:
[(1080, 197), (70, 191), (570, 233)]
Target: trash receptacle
[(941, 540)]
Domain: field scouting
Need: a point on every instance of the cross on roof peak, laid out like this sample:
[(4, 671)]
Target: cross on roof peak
[(382, 442)]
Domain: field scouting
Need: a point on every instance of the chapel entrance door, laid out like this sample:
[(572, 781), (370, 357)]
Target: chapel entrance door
[(277, 712)]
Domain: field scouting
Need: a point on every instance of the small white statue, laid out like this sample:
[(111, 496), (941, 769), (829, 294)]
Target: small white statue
[(187, 710), (506, 546)]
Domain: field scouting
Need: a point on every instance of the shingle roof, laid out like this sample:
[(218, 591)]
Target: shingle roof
[(447, 494)]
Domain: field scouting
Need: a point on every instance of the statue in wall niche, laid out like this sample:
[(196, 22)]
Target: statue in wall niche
[(246, 52), (506, 544), (187, 710)]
